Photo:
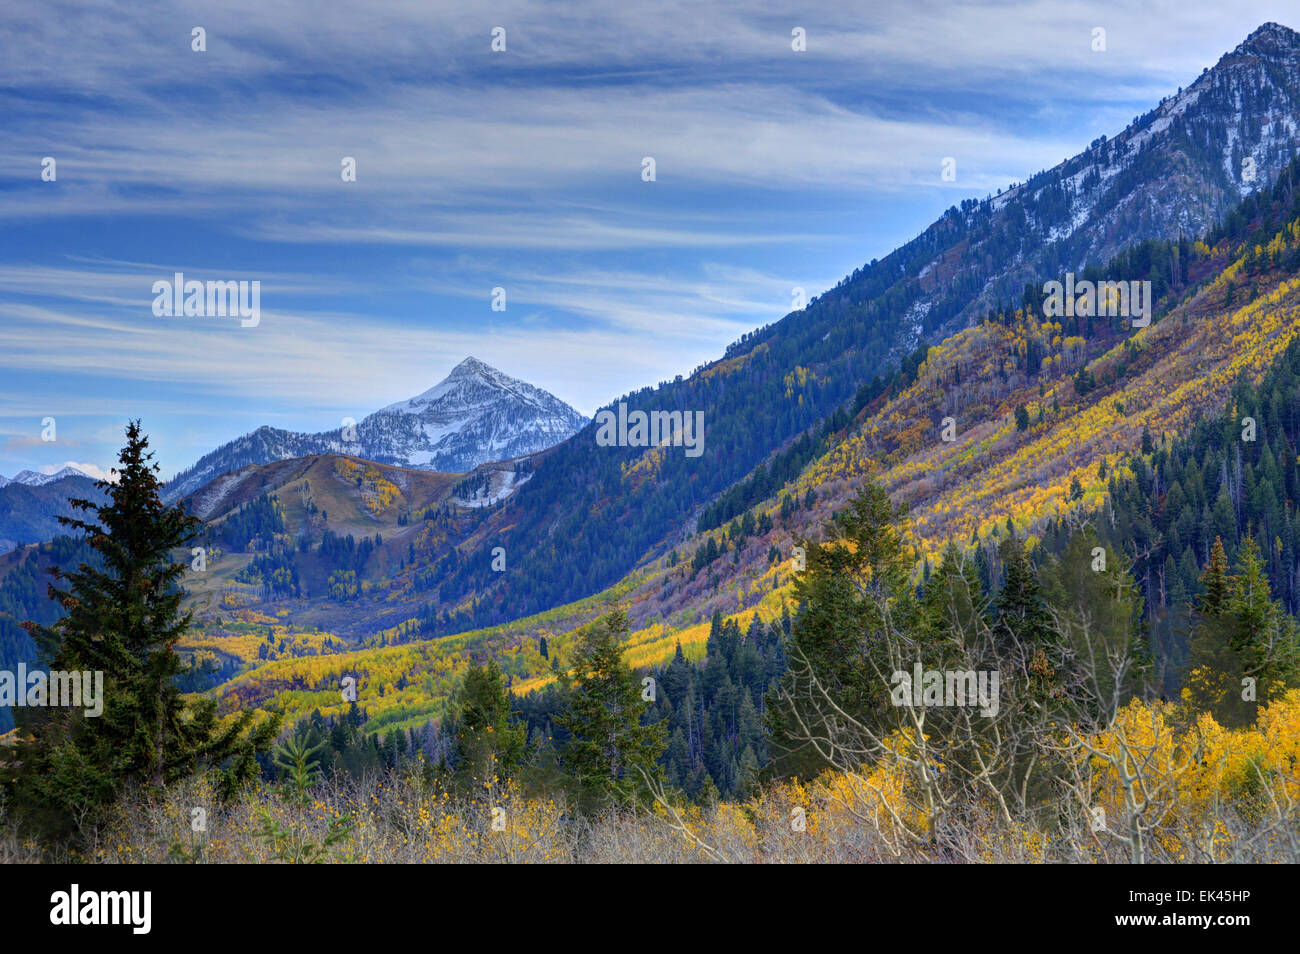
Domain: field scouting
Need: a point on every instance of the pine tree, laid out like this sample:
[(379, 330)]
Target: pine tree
[(952, 601), (1100, 624), (1026, 637), (1020, 609), (611, 752), (1217, 582), (491, 746), (1244, 649), (856, 586), (124, 620)]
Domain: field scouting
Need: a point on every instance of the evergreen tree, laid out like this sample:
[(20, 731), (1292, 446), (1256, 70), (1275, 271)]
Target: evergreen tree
[(1024, 633), (1266, 637), (611, 751), (1022, 418), (1244, 650), (856, 586), (1100, 624), (490, 744), (1020, 610), (123, 620), (952, 600), (1217, 583)]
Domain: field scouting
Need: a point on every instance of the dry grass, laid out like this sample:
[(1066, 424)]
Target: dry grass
[(401, 819)]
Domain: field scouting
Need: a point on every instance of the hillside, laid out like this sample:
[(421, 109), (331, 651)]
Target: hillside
[(1094, 392), (325, 539), (590, 514), (29, 512)]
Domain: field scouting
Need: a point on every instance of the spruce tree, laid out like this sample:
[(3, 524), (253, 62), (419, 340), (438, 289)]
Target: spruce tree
[(611, 753), (1100, 625), (1265, 635), (123, 618), (1217, 583), (952, 601), (1025, 635), (491, 746), (856, 589), (1021, 612), (1243, 650)]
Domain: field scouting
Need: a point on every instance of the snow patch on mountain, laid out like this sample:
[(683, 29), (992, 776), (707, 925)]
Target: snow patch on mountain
[(502, 483)]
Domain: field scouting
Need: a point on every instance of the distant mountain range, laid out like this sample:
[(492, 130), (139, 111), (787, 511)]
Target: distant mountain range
[(31, 504), (475, 415), (31, 478)]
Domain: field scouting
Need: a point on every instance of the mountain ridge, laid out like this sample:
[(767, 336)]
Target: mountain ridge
[(1173, 173), (475, 415), (1105, 401), (33, 478), (29, 513)]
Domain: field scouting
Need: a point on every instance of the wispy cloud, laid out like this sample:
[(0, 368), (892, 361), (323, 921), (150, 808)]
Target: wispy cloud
[(774, 169)]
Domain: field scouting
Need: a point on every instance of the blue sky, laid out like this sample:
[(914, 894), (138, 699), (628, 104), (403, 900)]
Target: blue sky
[(477, 169)]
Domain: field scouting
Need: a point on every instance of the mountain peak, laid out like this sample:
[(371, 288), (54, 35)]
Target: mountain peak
[(1269, 40), (474, 415), (34, 478), (471, 375), (472, 365)]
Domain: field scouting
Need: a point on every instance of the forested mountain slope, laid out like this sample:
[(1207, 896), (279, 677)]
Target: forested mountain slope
[(1047, 416), (591, 513)]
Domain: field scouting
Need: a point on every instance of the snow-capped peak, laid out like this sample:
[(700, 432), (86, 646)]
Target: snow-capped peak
[(1269, 39), (469, 382), (476, 414), (34, 478)]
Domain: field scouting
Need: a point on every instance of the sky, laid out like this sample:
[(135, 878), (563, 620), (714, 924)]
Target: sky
[(521, 169)]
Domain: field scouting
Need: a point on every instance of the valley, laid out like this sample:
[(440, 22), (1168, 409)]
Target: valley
[(989, 551)]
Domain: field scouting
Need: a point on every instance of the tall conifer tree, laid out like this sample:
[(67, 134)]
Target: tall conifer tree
[(611, 753), (123, 618)]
